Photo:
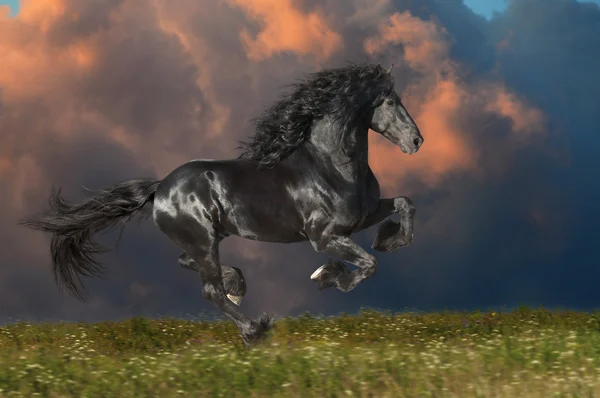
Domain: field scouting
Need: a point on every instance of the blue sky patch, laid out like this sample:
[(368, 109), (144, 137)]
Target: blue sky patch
[(488, 7), (14, 6)]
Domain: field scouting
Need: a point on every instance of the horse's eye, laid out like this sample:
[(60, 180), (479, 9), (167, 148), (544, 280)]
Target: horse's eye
[(390, 101)]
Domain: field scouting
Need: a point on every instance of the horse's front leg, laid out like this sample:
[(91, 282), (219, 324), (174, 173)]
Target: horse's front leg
[(392, 235), (335, 273)]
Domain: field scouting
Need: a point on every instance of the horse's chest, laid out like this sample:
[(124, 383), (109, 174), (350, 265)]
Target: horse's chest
[(349, 200), (366, 198), (353, 210)]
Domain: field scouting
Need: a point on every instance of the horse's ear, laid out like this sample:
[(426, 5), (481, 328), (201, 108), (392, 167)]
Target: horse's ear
[(389, 71)]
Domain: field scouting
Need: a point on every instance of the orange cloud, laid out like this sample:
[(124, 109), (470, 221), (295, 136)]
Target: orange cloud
[(446, 149), (4, 11), (368, 12), (82, 54), (41, 13), (33, 69), (434, 102), (437, 101), (524, 119), (30, 67), (198, 50), (285, 28), (4, 164), (423, 42)]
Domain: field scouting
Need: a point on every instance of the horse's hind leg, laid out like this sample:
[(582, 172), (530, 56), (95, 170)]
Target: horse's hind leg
[(233, 278), (202, 246), (185, 261), (200, 241)]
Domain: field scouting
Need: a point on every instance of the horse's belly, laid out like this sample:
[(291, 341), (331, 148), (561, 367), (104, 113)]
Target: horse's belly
[(266, 222)]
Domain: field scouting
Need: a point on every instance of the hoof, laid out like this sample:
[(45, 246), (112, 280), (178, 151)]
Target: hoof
[(234, 283), (316, 274), (405, 205), (237, 300), (327, 275), (257, 330)]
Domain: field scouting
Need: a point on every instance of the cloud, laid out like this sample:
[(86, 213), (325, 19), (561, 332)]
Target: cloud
[(285, 28), (424, 46), (524, 119), (97, 92), (439, 101), (101, 91), (84, 100), (4, 11)]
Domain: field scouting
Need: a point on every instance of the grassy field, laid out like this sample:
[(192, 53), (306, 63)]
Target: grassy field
[(524, 353)]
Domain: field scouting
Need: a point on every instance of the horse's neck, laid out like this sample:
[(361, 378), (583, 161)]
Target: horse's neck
[(348, 155)]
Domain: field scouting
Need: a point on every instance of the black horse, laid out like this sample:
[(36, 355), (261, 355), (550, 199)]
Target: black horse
[(303, 176)]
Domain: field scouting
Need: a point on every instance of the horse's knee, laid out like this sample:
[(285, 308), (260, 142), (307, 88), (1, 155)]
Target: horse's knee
[(319, 245), (326, 243), (208, 291), (213, 292), (370, 266), (403, 204)]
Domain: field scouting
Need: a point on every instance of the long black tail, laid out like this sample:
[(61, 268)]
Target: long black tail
[(73, 227)]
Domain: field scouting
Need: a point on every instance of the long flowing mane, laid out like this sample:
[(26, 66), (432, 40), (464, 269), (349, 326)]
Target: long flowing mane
[(344, 93)]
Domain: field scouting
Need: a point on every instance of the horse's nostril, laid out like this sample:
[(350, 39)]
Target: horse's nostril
[(418, 141)]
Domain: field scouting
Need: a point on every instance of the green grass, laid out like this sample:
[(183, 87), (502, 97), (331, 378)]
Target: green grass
[(524, 353)]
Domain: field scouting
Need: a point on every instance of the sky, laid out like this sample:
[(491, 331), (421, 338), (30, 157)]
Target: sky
[(488, 8), (506, 184), (14, 6)]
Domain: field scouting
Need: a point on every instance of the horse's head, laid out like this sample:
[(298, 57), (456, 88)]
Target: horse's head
[(392, 120)]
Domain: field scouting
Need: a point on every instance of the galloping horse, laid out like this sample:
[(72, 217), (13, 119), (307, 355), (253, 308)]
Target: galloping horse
[(304, 175)]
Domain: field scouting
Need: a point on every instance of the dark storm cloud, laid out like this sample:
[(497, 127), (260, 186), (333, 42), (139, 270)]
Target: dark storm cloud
[(529, 236), (552, 52), (98, 92)]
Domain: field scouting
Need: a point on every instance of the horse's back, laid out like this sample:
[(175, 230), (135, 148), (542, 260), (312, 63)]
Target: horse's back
[(236, 197)]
